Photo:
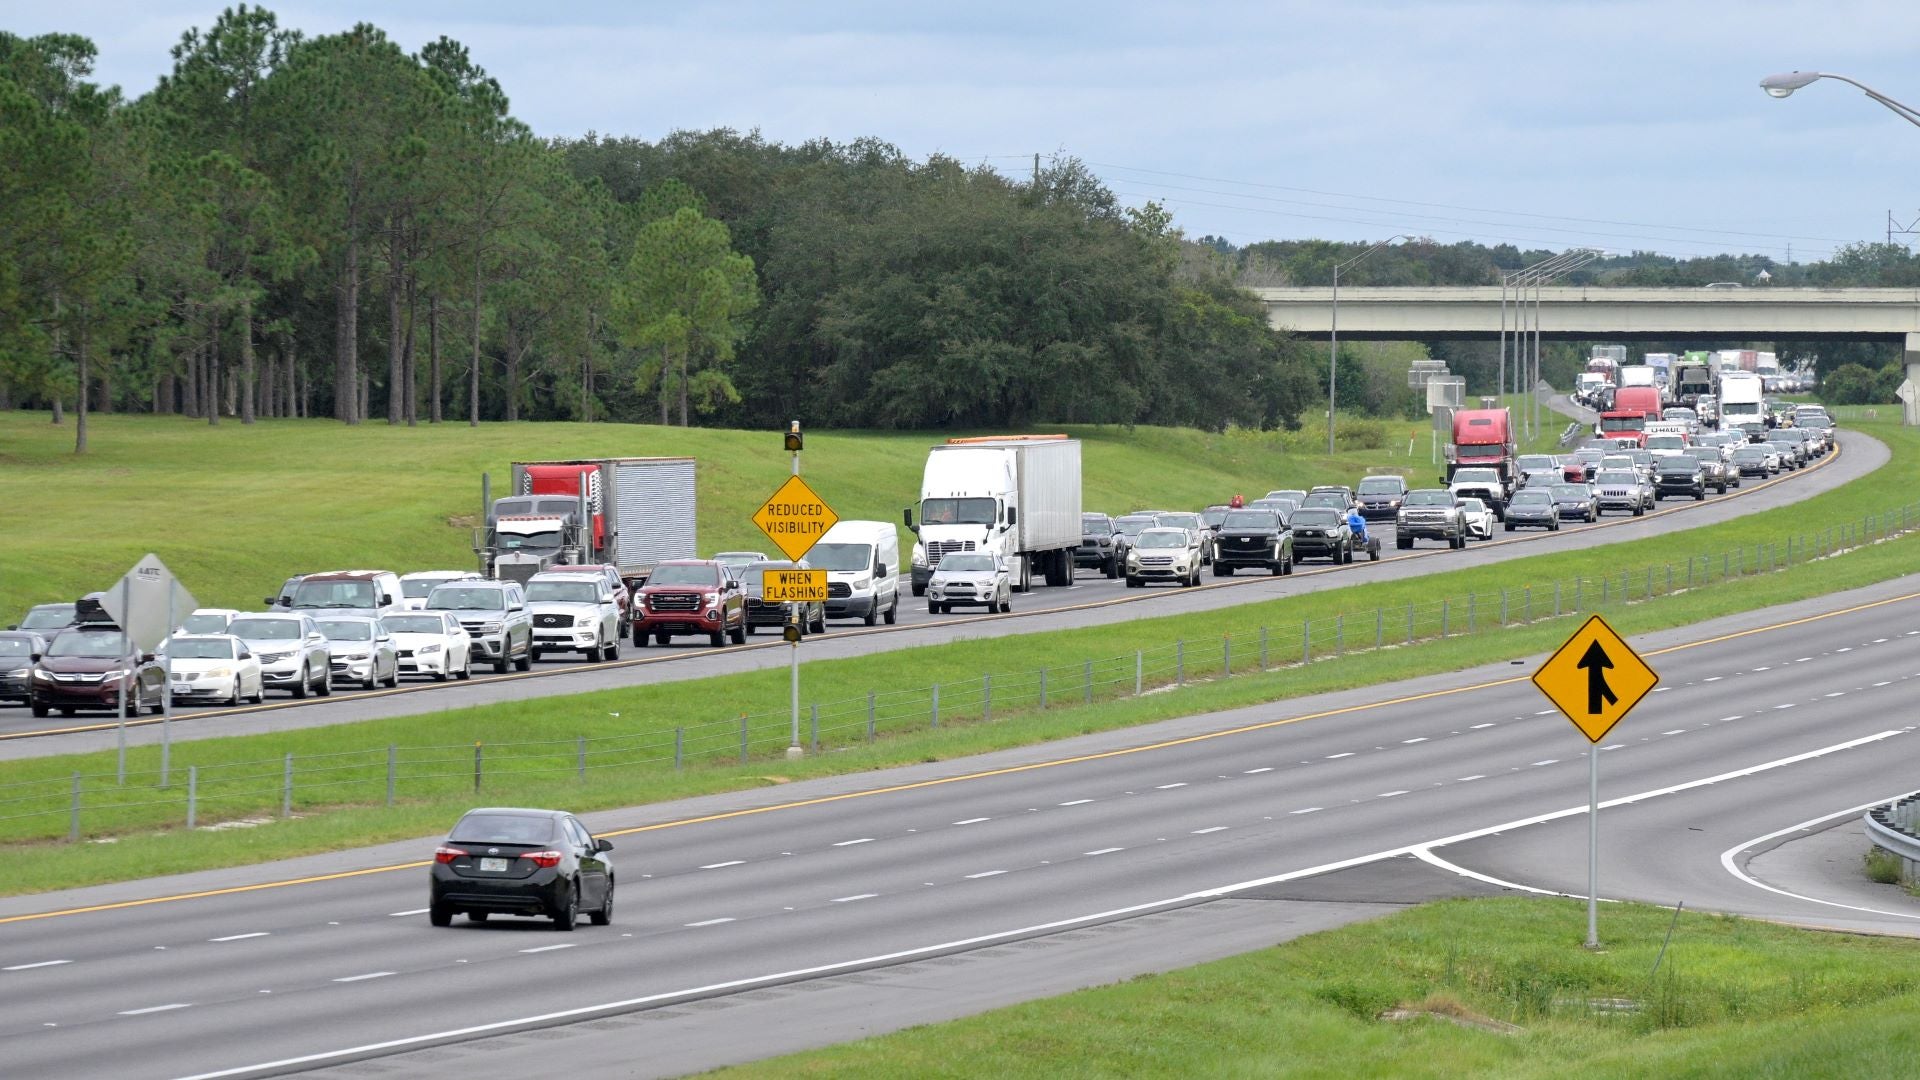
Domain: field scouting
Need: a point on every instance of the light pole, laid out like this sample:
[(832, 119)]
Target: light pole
[(1526, 369), (1333, 328), (1784, 85)]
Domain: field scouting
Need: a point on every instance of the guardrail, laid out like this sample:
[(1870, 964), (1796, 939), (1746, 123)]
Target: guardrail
[(1895, 828), (155, 795)]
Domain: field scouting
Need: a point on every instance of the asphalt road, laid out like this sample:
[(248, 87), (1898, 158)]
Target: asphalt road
[(1091, 600), (750, 922)]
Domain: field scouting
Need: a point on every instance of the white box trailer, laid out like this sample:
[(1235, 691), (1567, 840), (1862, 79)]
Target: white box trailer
[(1015, 496), (639, 513)]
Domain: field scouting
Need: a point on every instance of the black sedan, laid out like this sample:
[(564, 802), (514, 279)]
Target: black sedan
[(1533, 506), (17, 650), (1576, 502), (511, 861)]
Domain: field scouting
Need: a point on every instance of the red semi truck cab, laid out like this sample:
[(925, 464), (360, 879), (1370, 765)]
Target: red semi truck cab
[(1483, 439)]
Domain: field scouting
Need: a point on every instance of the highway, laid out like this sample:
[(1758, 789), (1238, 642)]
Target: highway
[(756, 922), (1092, 600)]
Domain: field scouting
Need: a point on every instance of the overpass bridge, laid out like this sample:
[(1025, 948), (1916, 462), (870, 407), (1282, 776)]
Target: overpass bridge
[(1712, 317)]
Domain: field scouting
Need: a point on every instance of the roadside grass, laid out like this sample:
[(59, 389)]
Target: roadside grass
[(233, 510), (147, 840), (1732, 998)]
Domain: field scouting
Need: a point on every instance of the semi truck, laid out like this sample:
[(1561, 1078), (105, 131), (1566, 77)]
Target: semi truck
[(1692, 377), (631, 513), (1483, 439), (1741, 401), (1013, 496), (1637, 375)]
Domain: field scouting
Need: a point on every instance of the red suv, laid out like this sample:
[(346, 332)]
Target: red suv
[(690, 596)]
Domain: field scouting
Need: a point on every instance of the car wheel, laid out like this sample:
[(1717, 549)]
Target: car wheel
[(1132, 582), (1006, 605), (466, 669), (1111, 567), (259, 692), (605, 915), (613, 648), (325, 689), (933, 609), (919, 590), (1509, 526), (820, 624), (1404, 543), (440, 915), (525, 663), (740, 632), (233, 702), (717, 639), (373, 676), (1699, 495), (445, 672), (39, 710), (1222, 570), (1639, 509), (1555, 527), (893, 610), (303, 683), (500, 665), (1191, 580), (569, 914)]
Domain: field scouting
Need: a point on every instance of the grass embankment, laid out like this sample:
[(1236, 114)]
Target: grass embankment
[(426, 803), (1731, 998), (233, 510)]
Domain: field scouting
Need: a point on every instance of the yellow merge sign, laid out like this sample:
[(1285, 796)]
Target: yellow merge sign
[(794, 518), (1595, 678), (793, 586)]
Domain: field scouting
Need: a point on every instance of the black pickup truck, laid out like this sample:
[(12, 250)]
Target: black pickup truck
[(1253, 539)]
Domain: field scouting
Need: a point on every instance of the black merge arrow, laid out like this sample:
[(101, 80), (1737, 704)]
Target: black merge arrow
[(1597, 663)]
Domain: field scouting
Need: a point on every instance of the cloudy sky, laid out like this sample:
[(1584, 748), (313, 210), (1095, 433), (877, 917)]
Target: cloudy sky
[(1620, 125)]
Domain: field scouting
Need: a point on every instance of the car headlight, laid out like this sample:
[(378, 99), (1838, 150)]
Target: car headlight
[(490, 628), (710, 598), (428, 650), (938, 581), (43, 675), (583, 620), (17, 673), (217, 673), (116, 673)]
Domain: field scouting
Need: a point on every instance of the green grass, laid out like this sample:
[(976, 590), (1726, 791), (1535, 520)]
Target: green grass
[(1732, 998), (149, 841), (233, 510)]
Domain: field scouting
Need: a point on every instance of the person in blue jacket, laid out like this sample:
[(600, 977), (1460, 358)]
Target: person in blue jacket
[(1358, 525)]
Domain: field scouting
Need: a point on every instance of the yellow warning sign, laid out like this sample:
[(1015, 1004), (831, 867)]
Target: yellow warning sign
[(1595, 678), (793, 586), (795, 517)]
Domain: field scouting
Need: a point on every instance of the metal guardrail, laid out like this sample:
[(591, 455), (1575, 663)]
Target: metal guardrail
[(1575, 431), (1892, 828)]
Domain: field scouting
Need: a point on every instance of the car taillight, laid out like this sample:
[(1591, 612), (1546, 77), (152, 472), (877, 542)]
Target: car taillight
[(445, 854), (542, 858)]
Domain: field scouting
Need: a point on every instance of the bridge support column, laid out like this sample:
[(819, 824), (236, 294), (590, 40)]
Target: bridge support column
[(1910, 391)]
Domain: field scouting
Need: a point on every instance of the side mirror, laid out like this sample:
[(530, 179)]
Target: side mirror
[(268, 600), (511, 608), (880, 570), (385, 600), (35, 658), (1013, 517), (601, 844), (907, 516)]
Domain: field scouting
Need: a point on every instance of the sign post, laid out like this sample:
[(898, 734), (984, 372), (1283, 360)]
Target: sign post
[(146, 605), (1595, 679), (794, 518)]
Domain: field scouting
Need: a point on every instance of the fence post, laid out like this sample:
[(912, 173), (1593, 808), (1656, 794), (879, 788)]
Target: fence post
[(1526, 605), (1306, 641), (1669, 579), (286, 784), (1503, 605), (1724, 574), (679, 746), (1339, 634), (1180, 663), (1138, 671), (1043, 688), (935, 714), (1443, 618), (1263, 648), (1379, 628), (1605, 584), (73, 812), (816, 728), (1647, 593), (1556, 599), (193, 793), (1086, 679), (393, 771), (743, 738), (1689, 573), (1579, 593), (986, 697), (476, 765), (1226, 655), (1470, 613), (1409, 624), (580, 756)]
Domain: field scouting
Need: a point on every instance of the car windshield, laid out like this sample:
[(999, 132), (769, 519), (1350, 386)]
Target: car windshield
[(1428, 498), (1295, 494), (1317, 517), (95, 644), (200, 649), (467, 598), (956, 512), (333, 594), (16, 647), (413, 624), (1163, 538), (1750, 452), (842, 557), (1095, 522), (1538, 461), (1589, 454), (1622, 423), (1666, 442), (1527, 496), (1213, 518), (1382, 485), (961, 561), (563, 592), (265, 629), (503, 829), (1570, 491), (1252, 519), (204, 624), (1325, 499), (737, 558), (1179, 521), (543, 540), (344, 630), (48, 617), (1619, 478), (1131, 526), (418, 588), (1476, 476)]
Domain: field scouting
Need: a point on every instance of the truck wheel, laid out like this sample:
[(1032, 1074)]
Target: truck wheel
[(717, 639), (1404, 543), (500, 665), (1509, 526), (639, 638), (525, 663), (933, 608), (893, 610), (740, 632), (919, 589), (662, 638), (1286, 568), (1639, 509), (1132, 582), (1111, 567), (1699, 495), (1222, 570), (873, 613)]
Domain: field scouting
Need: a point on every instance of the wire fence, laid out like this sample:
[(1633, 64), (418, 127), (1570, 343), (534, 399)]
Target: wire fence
[(213, 795)]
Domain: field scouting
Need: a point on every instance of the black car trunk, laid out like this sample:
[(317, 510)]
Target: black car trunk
[(494, 862)]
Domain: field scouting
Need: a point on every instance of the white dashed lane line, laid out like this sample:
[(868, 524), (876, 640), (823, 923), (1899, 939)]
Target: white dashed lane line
[(850, 843), (851, 899), (1308, 810), (1263, 768), (41, 964), (1488, 724), (1475, 776), (1410, 742), (1214, 829), (1169, 787), (1390, 794), (369, 975), (1103, 851), (1675, 731), (1076, 802), (985, 873), (547, 948), (723, 865), (157, 1008), (404, 914), (972, 821), (709, 922), (1336, 757), (241, 937)]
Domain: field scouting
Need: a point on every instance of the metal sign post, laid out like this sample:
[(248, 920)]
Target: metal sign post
[(794, 518), (120, 714)]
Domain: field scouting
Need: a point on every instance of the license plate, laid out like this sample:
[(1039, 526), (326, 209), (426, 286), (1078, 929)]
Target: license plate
[(495, 865)]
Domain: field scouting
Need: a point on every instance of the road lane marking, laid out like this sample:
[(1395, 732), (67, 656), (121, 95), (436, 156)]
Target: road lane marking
[(722, 865), (1076, 802), (1787, 705), (542, 948), (1488, 724), (368, 975), (709, 922), (1261, 769), (1103, 851), (985, 873), (973, 821), (1549, 761), (240, 937), (1410, 742), (850, 843), (1336, 757), (1265, 725), (1169, 787), (1727, 858), (1475, 776), (1715, 678), (404, 914), (1214, 829), (157, 1008), (851, 899), (1390, 794), (41, 964)]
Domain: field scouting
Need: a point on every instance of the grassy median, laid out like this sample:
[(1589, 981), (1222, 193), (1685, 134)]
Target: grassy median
[(1457, 988)]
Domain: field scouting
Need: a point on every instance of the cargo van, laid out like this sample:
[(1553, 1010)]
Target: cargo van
[(862, 561)]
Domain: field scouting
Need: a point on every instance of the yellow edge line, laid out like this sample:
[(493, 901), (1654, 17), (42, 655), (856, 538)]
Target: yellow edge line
[(987, 774), (1091, 605)]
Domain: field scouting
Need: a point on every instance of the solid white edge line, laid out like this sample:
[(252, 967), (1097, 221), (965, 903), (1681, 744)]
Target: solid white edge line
[(1727, 860), (1025, 931), (1427, 856), (41, 964)]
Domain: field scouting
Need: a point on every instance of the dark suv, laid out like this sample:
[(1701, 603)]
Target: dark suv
[(1255, 539), (88, 667), (1430, 514), (1098, 548), (1679, 474), (1322, 532), (1380, 496), (690, 596)]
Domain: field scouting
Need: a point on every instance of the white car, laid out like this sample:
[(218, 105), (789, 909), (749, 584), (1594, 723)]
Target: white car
[(574, 613), (431, 643), (362, 649), (218, 668), (415, 587), (207, 620), (968, 578), (1479, 519), (293, 653)]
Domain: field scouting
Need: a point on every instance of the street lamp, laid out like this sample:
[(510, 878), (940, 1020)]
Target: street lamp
[(1333, 328), (1535, 275), (1783, 85)]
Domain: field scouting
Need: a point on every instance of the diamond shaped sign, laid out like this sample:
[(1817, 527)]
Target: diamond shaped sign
[(148, 603), (1595, 678), (794, 518)]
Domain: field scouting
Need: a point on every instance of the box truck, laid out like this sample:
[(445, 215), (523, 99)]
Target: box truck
[(631, 512), (1015, 496)]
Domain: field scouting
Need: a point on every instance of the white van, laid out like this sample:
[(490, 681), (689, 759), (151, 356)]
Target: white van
[(862, 561)]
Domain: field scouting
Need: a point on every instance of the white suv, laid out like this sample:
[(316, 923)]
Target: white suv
[(293, 653), (495, 615), (574, 613)]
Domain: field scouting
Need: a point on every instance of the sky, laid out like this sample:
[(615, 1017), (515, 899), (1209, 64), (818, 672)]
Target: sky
[(1622, 125)]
